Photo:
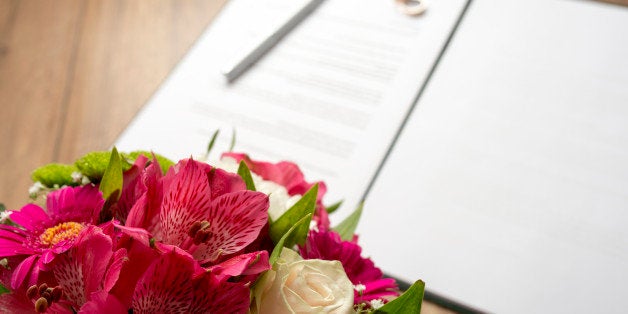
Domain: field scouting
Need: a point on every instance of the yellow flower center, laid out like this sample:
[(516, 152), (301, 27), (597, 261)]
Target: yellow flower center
[(61, 232)]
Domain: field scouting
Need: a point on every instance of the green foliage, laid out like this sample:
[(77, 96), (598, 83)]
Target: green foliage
[(347, 227), (4, 289), (211, 143), (333, 207), (303, 208), (280, 244), (164, 163), (94, 164), (245, 173), (409, 302), (233, 140), (111, 183), (55, 174)]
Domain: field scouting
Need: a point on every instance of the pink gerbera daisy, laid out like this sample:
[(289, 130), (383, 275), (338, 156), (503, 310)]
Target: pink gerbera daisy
[(43, 234), (365, 276)]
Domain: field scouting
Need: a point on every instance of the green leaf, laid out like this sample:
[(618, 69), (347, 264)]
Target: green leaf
[(245, 173), (333, 207), (4, 289), (164, 163), (2, 207), (347, 227), (304, 207), (233, 140), (211, 143), (280, 244), (111, 183), (407, 303), (55, 174)]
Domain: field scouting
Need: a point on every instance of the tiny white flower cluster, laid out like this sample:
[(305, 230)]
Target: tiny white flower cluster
[(35, 189), (359, 288), (377, 303), (5, 215), (80, 178), (280, 200)]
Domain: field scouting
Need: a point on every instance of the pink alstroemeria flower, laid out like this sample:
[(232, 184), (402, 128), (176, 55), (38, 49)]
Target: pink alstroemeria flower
[(44, 234), (203, 210), (361, 271), (290, 176), (175, 283)]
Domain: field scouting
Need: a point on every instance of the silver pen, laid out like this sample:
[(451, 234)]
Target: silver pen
[(243, 61)]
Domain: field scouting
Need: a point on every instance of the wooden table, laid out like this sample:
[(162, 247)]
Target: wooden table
[(74, 73)]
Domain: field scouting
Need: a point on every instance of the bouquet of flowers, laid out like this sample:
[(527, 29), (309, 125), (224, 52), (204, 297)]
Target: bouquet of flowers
[(137, 233)]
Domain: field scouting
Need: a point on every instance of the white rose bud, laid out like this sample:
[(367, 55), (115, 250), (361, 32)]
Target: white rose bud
[(303, 286)]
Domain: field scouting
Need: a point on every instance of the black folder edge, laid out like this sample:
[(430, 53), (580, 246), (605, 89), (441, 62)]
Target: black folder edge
[(439, 299), (403, 285)]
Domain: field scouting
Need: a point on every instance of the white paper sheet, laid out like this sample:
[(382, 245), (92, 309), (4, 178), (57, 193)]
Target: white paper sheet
[(508, 188), (330, 96)]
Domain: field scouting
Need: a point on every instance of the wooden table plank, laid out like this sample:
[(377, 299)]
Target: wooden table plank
[(37, 46), (127, 50)]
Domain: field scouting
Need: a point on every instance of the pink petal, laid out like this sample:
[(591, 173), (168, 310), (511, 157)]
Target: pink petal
[(290, 176), (23, 270), (31, 217), (114, 269), (186, 200), (235, 220), (222, 182), (138, 234), (12, 242), (166, 286), (16, 302), (244, 264), (103, 302), (81, 270), (132, 189), (140, 257), (214, 296), (80, 204)]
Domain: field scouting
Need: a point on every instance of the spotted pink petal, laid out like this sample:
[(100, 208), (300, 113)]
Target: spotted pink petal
[(186, 200), (222, 182), (235, 220), (212, 295), (244, 264), (31, 217), (81, 270), (289, 175), (166, 286)]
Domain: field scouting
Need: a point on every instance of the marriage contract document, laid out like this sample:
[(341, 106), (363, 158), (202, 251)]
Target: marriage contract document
[(508, 187), (330, 96)]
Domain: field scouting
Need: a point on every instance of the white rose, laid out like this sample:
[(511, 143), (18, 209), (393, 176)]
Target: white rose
[(280, 200), (303, 286)]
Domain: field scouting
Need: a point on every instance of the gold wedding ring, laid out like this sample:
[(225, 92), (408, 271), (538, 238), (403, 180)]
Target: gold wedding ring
[(412, 7)]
